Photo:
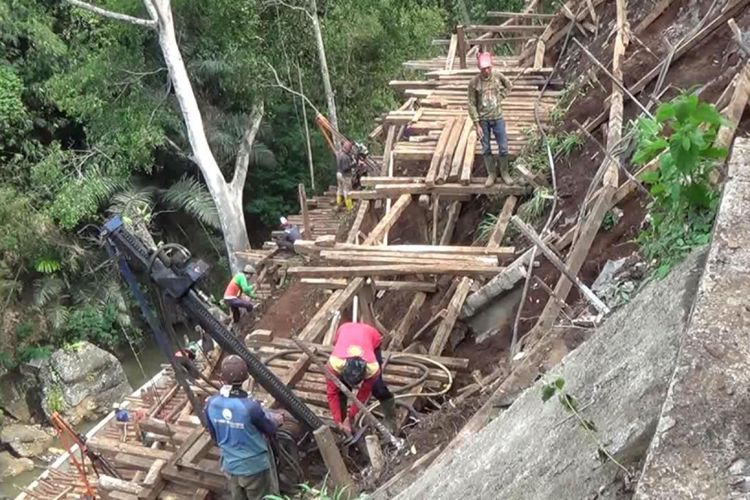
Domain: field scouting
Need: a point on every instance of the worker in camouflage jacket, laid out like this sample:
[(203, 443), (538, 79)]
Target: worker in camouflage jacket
[(486, 93)]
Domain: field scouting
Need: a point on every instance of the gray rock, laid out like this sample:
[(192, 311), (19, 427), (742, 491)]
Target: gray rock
[(532, 451), (26, 440), (82, 382), (11, 466), (704, 421)]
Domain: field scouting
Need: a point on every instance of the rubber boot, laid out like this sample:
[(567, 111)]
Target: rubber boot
[(339, 201), (489, 165), (503, 165), (348, 203), (389, 413)]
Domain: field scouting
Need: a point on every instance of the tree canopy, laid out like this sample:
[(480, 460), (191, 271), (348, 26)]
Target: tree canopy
[(89, 126)]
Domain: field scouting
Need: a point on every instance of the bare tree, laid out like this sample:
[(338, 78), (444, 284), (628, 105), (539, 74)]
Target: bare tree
[(312, 14), (226, 195)]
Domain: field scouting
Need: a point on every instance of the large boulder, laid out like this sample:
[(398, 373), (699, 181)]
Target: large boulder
[(26, 440), (620, 376), (11, 466), (82, 382)]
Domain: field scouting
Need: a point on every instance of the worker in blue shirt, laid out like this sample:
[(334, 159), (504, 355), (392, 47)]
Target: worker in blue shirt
[(238, 424)]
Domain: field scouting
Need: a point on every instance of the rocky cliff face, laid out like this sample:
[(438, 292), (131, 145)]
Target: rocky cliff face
[(620, 376)]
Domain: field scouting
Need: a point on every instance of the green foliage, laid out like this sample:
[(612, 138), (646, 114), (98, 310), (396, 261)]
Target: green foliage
[(684, 202), (54, 399), (485, 228), (94, 324), (307, 492), (609, 221), (35, 352)]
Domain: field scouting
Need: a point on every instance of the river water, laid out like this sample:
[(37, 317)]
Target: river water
[(138, 370)]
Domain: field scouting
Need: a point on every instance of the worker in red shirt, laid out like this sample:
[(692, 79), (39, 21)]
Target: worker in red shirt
[(356, 359)]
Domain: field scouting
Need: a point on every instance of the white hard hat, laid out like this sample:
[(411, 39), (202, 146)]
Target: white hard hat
[(284, 220)]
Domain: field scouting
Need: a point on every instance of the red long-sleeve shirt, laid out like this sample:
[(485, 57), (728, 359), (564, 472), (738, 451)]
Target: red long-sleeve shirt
[(352, 339)]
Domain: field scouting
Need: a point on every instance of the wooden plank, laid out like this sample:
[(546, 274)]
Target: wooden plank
[(154, 472), (393, 190), (308, 232), (339, 475), (493, 28), (519, 15), (109, 445), (502, 222), (196, 477), (380, 231), (399, 333), (450, 148), (539, 55), (364, 206), (451, 57), (459, 155), (196, 451), (450, 225), (390, 140), (437, 155), (337, 301), (433, 249), (735, 109), (462, 48), (293, 375), (131, 461), (393, 270), (454, 308), (468, 160), (337, 284), (386, 258)]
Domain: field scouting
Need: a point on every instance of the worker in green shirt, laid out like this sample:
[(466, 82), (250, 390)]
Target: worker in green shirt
[(238, 293), (486, 93)]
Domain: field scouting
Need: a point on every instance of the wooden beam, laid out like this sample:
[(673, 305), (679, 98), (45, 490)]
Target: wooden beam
[(451, 57), (305, 215), (386, 223), (375, 257), (399, 333), (337, 284), (454, 308), (109, 445), (393, 270), (437, 155), (459, 156), (390, 140), (560, 265), (364, 206), (293, 375), (450, 148), (519, 15), (337, 471), (468, 160), (502, 222), (450, 225), (539, 55), (337, 301), (735, 109), (393, 190), (493, 28), (462, 48)]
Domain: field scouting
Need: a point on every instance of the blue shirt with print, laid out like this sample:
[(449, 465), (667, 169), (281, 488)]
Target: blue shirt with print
[(236, 424)]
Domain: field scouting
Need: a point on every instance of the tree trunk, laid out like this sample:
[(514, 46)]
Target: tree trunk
[(228, 203), (324, 66)]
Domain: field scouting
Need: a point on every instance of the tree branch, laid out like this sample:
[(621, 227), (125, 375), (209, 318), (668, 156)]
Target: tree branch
[(148, 23), (246, 147), (292, 91), (270, 3)]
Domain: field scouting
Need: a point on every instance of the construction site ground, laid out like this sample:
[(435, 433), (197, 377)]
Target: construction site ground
[(296, 309)]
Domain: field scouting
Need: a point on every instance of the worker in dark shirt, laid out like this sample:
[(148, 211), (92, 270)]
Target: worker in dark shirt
[(344, 166), (238, 425), (291, 234)]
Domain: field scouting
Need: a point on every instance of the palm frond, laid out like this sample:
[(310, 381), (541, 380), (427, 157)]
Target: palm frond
[(47, 288), (262, 156), (133, 202), (57, 314), (191, 196)]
